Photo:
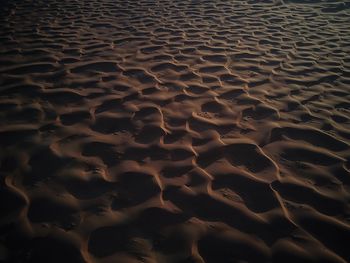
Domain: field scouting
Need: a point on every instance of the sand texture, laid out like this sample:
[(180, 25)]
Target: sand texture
[(200, 131)]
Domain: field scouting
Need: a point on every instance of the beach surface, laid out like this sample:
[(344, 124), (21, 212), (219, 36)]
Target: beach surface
[(175, 131)]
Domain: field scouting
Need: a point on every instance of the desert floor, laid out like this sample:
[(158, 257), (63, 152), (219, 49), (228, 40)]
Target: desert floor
[(174, 131)]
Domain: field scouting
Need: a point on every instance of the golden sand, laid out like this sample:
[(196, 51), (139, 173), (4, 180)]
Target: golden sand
[(175, 131)]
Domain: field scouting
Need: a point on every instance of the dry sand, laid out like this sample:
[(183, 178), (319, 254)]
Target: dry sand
[(175, 131)]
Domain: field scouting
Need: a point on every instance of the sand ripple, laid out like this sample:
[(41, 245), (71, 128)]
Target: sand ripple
[(175, 131)]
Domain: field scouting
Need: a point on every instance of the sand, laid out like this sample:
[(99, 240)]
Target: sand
[(175, 131)]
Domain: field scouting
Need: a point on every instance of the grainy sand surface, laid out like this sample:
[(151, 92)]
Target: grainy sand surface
[(175, 131)]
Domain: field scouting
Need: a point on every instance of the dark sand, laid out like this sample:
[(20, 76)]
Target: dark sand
[(175, 131)]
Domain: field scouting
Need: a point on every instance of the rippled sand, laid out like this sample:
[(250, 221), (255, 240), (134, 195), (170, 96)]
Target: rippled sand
[(175, 131)]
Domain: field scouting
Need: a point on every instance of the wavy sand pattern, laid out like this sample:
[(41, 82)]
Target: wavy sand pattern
[(175, 131)]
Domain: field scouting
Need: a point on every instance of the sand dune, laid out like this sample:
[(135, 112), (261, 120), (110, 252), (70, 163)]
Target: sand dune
[(175, 131)]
